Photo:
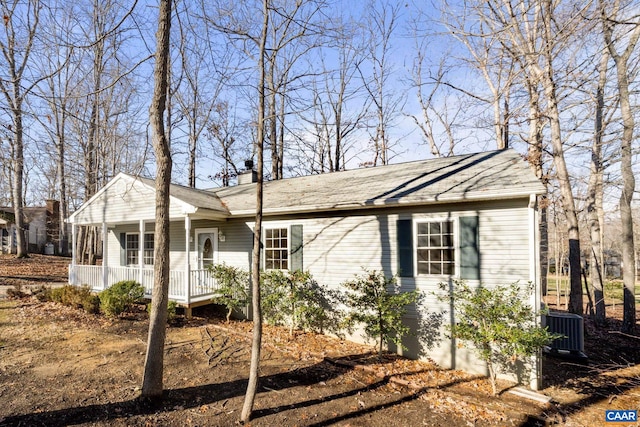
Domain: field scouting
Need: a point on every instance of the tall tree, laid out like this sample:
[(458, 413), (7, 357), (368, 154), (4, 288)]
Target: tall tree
[(202, 70), (382, 24), (535, 35), (62, 63), (154, 359), (256, 342), (629, 34), (595, 193), (21, 23), (488, 58), (337, 111)]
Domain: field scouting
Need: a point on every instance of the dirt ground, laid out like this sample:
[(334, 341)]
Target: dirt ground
[(60, 366)]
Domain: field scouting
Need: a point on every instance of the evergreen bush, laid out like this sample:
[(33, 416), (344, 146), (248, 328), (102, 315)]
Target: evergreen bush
[(377, 302), (120, 297), (232, 287), (498, 323)]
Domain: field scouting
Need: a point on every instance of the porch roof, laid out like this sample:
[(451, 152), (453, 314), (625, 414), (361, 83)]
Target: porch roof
[(129, 199)]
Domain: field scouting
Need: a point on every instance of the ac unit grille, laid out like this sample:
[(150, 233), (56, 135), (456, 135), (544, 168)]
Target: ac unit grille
[(571, 326)]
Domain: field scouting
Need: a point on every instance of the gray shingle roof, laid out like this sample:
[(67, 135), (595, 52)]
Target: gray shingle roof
[(480, 176), (198, 198)]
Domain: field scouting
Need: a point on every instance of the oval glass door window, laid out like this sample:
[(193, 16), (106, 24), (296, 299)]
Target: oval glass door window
[(207, 252)]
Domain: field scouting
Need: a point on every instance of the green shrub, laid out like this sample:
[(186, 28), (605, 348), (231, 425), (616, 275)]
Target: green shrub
[(295, 299), (76, 297), (233, 286), (498, 323), (377, 302), (120, 297)]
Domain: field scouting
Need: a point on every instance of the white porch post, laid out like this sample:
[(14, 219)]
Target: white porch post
[(187, 266), (74, 243), (141, 252), (105, 256)]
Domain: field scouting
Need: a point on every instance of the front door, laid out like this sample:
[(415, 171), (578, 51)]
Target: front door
[(207, 240)]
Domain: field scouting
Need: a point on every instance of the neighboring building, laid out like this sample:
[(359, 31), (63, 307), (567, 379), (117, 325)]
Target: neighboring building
[(471, 217), (42, 226)]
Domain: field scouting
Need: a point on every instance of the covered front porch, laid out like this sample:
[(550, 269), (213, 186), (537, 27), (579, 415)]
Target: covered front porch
[(124, 213)]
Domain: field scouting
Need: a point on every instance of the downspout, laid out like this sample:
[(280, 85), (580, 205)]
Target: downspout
[(535, 380)]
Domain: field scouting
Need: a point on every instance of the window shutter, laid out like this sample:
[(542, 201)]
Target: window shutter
[(469, 248), (296, 245), (405, 247), (123, 248)]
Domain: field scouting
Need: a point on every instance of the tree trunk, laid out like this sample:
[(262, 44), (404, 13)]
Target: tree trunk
[(594, 199), (18, 177), (626, 170), (256, 343), (564, 181), (626, 197), (154, 360)]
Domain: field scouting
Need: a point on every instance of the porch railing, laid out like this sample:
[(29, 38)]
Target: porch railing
[(202, 285)]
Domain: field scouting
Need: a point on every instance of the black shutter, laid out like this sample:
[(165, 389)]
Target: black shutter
[(405, 247), (296, 246), (469, 248), (123, 248)]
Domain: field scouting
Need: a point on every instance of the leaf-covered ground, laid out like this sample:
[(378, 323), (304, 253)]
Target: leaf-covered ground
[(60, 366)]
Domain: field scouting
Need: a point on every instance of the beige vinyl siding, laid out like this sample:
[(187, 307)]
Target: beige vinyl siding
[(236, 248), (504, 246)]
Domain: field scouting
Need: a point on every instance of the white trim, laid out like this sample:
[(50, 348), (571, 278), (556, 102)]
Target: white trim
[(105, 256), (275, 225), (187, 248), (141, 263), (456, 244)]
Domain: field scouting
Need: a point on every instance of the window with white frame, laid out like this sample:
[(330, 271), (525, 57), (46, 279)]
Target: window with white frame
[(148, 248), (133, 249), (276, 249), (435, 250)]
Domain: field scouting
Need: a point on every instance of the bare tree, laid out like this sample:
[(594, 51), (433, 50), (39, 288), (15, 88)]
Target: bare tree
[(256, 342), (337, 111), (154, 359), (595, 194), (433, 105), (202, 72), (21, 23), (534, 34), (62, 63), (382, 24), (224, 133), (629, 34), (486, 56)]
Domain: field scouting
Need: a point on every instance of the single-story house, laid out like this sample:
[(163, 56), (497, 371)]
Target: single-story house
[(471, 217)]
